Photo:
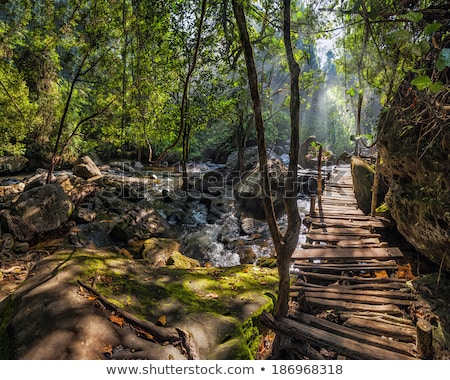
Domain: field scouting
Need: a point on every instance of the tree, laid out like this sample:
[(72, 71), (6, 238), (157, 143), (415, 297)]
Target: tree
[(285, 243)]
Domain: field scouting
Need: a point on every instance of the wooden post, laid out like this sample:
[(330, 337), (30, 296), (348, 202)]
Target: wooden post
[(424, 341), (319, 174), (312, 205), (376, 179)]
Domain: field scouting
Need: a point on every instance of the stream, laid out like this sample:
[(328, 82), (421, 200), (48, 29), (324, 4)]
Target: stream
[(208, 225)]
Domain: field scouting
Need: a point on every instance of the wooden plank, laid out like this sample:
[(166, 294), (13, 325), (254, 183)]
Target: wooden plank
[(362, 292), (348, 347), (367, 299), (386, 318), (365, 218), (336, 238), (339, 211), (344, 230), (343, 221), (345, 244), (344, 305), (371, 242), (346, 253), (353, 279), (404, 334), (380, 265), (363, 337), (374, 286)]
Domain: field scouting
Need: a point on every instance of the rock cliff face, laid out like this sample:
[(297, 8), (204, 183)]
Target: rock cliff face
[(414, 142)]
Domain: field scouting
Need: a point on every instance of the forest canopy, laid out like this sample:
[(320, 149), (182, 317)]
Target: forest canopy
[(153, 77)]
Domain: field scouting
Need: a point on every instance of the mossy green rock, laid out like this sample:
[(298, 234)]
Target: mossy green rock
[(363, 174), (54, 318)]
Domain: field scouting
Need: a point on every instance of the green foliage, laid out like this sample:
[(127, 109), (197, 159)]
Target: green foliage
[(16, 110)]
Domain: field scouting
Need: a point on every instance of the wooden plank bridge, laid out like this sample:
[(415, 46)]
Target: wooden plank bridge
[(349, 299)]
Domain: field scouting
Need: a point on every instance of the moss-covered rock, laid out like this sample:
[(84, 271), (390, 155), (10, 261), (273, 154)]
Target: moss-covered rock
[(363, 175), (53, 318)]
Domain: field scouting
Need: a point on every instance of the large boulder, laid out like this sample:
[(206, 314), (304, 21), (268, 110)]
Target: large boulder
[(12, 164), (415, 147), (363, 175), (249, 194), (40, 209), (52, 317), (305, 148), (86, 168), (140, 223)]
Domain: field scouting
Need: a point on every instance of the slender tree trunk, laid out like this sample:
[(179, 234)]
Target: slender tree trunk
[(62, 122), (284, 244), (182, 132)]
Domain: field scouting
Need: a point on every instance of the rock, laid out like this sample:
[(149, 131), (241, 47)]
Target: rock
[(12, 164), (249, 194), (363, 174), (39, 209), (86, 168), (122, 165), (250, 158), (305, 147), (139, 224), (21, 230), (178, 260), (210, 304), (156, 251), (417, 168)]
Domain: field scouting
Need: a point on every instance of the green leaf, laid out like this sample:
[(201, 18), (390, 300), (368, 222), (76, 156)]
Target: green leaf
[(443, 60), (351, 92), (436, 87), (400, 37), (422, 82), (413, 16), (431, 28)]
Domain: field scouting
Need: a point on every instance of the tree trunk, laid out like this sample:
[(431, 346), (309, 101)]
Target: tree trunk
[(284, 244)]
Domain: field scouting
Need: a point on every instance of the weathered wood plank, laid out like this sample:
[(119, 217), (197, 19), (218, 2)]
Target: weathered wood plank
[(367, 299), (333, 277), (362, 217), (363, 337), (350, 348), (344, 244), (404, 334), (335, 238), (389, 265), (365, 242), (388, 294), (343, 316), (373, 286), (347, 253), (316, 221), (344, 305), (344, 230)]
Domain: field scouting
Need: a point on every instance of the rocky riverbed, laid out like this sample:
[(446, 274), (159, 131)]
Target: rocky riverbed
[(129, 232)]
